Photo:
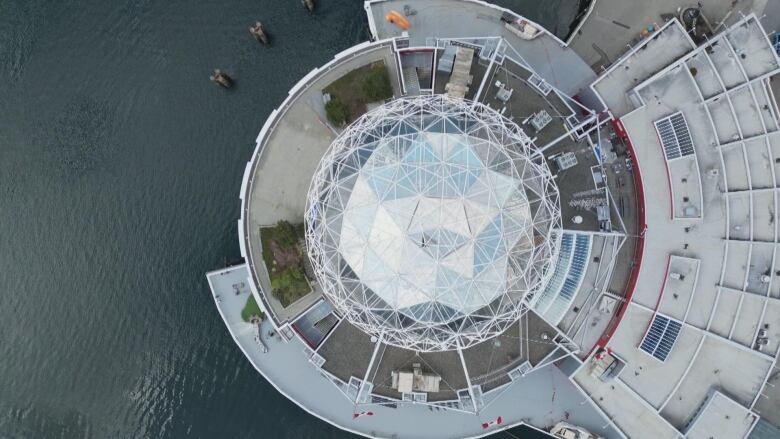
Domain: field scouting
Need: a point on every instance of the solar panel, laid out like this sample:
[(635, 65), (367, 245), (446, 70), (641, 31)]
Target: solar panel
[(675, 136), (543, 299), (567, 277), (668, 139), (683, 134), (661, 336)]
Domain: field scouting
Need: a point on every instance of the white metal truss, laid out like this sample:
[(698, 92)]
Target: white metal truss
[(428, 221)]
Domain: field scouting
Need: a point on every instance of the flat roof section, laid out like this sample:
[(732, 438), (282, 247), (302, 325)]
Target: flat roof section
[(526, 101), (590, 313), (540, 338), (489, 362), (726, 64), (686, 188), (748, 320), (665, 95), (767, 404), (721, 417), (770, 323), (579, 193), (740, 220), (748, 116), (748, 41), (445, 364), (624, 409), (761, 175), (736, 169), (602, 38), (681, 279), (649, 57), (347, 352), (718, 365), (650, 378), (705, 75), (725, 125), (725, 312), (761, 260)]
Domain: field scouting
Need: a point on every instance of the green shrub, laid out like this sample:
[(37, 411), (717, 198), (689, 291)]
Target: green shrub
[(376, 84), (289, 285), (337, 111), (251, 309), (285, 234)]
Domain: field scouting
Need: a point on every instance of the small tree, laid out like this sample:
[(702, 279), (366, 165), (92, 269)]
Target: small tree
[(286, 234), (337, 111), (376, 85), (289, 285)]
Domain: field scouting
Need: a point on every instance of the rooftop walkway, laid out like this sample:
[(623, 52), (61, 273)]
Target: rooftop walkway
[(289, 148), (541, 398)]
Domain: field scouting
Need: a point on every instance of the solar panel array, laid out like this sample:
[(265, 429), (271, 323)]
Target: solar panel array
[(544, 298), (573, 280), (660, 339), (573, 257), (675, 136)]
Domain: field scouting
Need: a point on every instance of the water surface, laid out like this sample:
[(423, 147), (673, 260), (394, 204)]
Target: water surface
[(120, 167)]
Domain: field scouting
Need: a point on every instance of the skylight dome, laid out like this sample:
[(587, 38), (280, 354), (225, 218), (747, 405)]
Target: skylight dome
[(430, 220)]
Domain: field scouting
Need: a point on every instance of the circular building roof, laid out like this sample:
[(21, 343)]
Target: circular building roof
[(429, 220)]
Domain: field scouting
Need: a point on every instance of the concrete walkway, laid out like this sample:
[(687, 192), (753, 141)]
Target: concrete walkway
[(541, 399), (288, 152)]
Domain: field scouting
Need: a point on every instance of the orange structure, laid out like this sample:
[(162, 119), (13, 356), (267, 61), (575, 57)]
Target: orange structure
[(398, 20)]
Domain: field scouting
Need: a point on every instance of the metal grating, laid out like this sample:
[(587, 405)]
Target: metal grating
[(675, 136), (520, 371), (661, 336), (566, 160), (540, 84)]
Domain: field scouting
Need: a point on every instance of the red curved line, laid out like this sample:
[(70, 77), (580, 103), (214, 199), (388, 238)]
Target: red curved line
[(668, 175), (640, 246)]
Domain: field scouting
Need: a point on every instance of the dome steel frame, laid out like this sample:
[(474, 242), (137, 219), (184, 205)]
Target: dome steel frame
[(432, 151)]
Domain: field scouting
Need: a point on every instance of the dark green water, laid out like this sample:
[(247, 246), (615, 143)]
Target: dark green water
[(120, 167)]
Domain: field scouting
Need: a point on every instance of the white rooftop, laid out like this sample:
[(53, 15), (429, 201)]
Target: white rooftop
[(721, 417), (711, 269)]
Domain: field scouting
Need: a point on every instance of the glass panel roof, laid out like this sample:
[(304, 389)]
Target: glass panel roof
[(434, 220)]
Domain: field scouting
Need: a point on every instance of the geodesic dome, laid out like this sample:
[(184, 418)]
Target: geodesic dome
[(429, 220)]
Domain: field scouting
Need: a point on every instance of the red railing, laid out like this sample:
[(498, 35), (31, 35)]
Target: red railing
[(640, 245)]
